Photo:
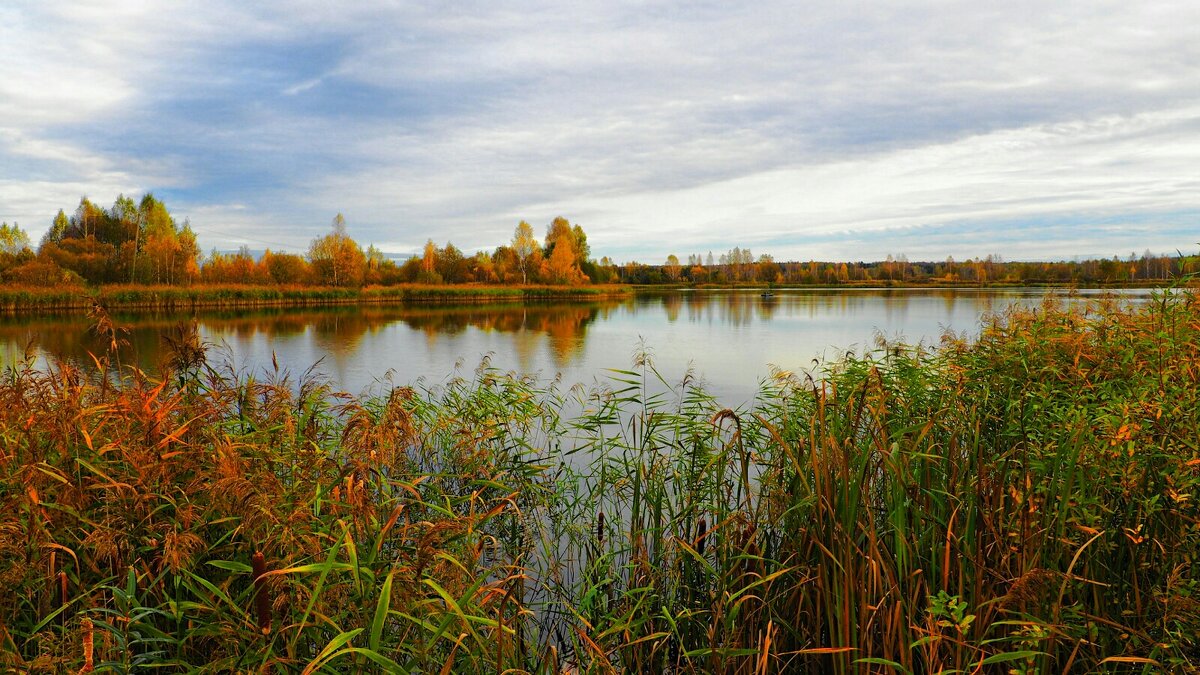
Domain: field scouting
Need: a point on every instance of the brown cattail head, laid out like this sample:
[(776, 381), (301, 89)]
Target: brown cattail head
[(262, 601), (600, 529), (88, 646), (701, 535), (748, 536), (52, 576)]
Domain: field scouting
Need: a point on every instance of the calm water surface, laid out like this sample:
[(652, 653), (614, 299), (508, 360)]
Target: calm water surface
[(730, 339)]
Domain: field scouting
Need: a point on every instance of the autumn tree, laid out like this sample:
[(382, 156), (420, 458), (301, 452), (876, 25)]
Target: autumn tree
[(13, 240), (235, 268), (14, 252), (168, 251), (768, 269), (58, 229), (132, 241), (284, 268), (428, 273), (672, 268), (337, 259), (524, 246), (558, 230), (561, 268), (451, 265), (606, 271), (485, 268), (562, 254)]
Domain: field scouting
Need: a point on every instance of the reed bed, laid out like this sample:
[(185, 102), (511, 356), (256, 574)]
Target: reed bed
[(18, 299), (1024, 502)]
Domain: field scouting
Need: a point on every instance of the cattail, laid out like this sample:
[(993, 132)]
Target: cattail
[(88, 646), (52, 576), (62, 596), (701, 535), (262, 603), (600, 529), (748, 536)]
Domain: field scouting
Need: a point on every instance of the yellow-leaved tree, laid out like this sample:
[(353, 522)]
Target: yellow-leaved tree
[(337, 259), (523, 247)]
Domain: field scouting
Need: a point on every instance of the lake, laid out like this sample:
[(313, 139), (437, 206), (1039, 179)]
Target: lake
[(730, 339)]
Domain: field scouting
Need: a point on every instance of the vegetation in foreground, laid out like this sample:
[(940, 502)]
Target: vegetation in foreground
[(1026, 502)]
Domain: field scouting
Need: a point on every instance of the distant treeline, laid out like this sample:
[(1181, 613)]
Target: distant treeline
[(739, 266), (141, 243)]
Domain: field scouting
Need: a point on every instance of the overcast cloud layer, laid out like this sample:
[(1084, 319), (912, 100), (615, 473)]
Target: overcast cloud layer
[(831, 131)]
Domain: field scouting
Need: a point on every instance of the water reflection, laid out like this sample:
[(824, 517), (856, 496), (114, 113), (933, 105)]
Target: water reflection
[(729, 337), (337, 332)]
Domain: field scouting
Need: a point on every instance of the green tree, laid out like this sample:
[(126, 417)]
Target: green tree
[(58, 229), (583, 251), (13, 240)]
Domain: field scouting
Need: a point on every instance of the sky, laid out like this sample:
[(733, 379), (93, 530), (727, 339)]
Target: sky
[(817, 130)]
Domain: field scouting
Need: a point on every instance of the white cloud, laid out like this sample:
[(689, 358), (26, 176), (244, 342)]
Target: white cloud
[(655, 125)]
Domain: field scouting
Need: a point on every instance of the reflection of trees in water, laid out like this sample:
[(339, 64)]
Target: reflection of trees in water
[(72, 339), (895, 304), (563, 325), (565, 331), (671, 305), (767, 307), (337, 331), (737, 309), (340, 334)]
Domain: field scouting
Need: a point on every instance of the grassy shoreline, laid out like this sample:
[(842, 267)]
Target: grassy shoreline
[(898, 285), (17, 300), (1025, 502), (193, 297)]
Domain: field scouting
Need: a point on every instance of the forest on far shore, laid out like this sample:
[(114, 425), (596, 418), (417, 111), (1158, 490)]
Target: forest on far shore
[(140, 242)]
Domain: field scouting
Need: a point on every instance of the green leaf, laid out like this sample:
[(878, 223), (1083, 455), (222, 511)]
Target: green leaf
[(330, 651), (231, 566), (876, 661), (381, 611), (1005, 657), (389, 665)]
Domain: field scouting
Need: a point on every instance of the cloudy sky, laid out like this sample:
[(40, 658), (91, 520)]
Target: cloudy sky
[(833, 130)]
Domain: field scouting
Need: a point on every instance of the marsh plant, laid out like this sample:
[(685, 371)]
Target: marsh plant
[(1025, 502)]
